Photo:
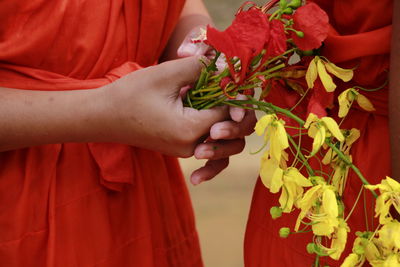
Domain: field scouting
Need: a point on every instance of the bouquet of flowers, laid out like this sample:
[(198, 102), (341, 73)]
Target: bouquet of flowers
[(274, 48)]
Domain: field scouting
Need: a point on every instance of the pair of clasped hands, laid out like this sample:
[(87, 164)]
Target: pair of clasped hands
[(165, 125)]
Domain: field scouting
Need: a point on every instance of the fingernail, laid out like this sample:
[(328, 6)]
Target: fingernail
[(196, 180)]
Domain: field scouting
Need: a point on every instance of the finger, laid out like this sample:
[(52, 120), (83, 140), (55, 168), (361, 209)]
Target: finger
[(237, 113), (180, 72), (188, 49), (201, 120), (232, 129), (219, 150), (209, 171)]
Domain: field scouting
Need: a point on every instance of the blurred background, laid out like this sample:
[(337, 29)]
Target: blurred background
[(222, 205)]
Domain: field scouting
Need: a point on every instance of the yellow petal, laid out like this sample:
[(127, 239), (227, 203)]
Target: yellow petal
[(339, 240), (267, 169), (319, 140), (263, 123), (309, 198), (371, 251), (365, 103), (329, 157), (281, 133), (333, 128), (312, 131), (310, 119), (350, 261), (329, 203), (343, 74), (393, 184), (286, 199), (344, 103), (353, 136), (297, 177), (275, 145), (276, 182), (326, 79), (312, 73), (325, 227)]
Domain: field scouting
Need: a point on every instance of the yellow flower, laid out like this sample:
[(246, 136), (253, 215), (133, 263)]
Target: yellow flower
[(339, 239), (319, 205), (275, 134), (390, 196), (346, 99), (341, 172), (320, 67), (293, 183), (389, 235), (351, 260), (319, 129)]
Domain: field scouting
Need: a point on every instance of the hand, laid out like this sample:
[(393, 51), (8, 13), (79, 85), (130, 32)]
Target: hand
[(147, 111), (227, 138)]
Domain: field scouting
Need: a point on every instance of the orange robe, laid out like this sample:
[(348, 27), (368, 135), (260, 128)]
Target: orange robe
[(86, 205), (359, 36)]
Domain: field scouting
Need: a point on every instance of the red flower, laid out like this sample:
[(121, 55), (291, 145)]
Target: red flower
[(244, 39), (277, 41), (314, 23)]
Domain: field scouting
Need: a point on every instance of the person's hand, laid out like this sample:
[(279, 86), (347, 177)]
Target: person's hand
[(147, 111), (227, 139)]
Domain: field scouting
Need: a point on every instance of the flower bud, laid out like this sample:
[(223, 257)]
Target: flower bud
[(282, 4), (299, 33), (284, 232), (275, 212), (311, 248), (289, 11), (295, 3)]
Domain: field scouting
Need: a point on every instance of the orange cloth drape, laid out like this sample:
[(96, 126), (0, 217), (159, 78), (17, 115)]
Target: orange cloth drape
[(359, 36), (86, 205)]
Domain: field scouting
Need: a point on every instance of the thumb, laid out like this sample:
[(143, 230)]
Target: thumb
[(181, 72), (202, 120)]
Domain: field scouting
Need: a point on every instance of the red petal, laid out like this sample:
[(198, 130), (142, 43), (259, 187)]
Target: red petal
[(277, 40), (314, 23), (244, 39)]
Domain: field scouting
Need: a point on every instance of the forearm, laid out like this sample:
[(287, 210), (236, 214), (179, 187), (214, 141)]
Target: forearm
[(194, 14), (394, 93), (29, 118)]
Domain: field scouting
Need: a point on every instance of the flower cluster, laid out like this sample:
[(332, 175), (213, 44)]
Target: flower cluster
[(275, 48)]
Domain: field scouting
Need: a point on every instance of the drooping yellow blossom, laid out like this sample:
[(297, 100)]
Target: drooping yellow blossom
[(340, 174), (346, 99), (274, 158), (319, 129), (364, 248), (320, 67), (320, 206), (339, 239), (275, 134), (390, 196), (291, 182)]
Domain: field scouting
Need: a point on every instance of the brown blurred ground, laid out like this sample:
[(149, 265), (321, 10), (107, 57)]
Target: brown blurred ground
[(221, 206)]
